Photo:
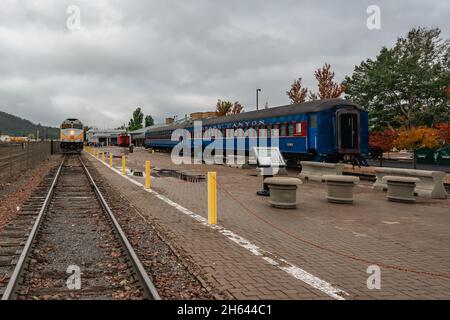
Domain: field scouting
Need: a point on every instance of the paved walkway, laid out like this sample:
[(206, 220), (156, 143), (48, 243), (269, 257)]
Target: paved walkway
[(320, 250)]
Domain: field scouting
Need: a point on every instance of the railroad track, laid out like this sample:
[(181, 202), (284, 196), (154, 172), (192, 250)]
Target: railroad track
[(65, 243)]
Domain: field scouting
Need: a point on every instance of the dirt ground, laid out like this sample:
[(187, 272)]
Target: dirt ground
[(13, 194)]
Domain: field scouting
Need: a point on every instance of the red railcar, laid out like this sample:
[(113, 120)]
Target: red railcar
[(124, 140)]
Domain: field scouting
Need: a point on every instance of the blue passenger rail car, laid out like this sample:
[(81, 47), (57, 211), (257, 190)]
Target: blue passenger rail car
[(328, 130)]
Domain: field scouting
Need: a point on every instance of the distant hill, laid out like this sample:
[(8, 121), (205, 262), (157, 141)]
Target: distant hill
[(15, 126)]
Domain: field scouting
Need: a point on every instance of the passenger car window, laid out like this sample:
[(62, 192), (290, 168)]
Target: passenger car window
[(262, 132), (283, 129), (275, 131), (290, 129)]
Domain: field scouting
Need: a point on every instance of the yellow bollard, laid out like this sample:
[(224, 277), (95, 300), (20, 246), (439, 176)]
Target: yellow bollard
[(123, 165), (147, 174), (110, 160), (212, 198), (103, 156)]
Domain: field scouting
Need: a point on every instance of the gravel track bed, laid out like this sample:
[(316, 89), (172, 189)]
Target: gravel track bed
[(75, 231), (173, 276)]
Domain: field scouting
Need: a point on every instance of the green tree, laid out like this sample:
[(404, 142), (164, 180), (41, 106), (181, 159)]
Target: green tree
[(136, 122), (85, 130), (149, 121), (405, 86)]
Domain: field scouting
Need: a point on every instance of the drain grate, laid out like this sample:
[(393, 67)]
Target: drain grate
[(182, 175)]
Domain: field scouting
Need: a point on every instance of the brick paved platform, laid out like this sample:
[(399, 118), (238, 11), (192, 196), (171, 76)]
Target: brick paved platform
[(318, 251)]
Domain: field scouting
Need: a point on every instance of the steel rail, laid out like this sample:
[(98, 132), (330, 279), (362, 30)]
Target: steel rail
[(15, 277), (148, 287)]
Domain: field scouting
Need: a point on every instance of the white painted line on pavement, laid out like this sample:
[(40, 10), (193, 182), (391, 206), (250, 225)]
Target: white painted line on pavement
[(281, 264)]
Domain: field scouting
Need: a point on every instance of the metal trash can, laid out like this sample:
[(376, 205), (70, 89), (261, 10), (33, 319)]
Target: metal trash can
[(442, 156), (425, 156)]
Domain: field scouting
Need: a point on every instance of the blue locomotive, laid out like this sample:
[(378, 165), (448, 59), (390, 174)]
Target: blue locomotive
[(327, 130)]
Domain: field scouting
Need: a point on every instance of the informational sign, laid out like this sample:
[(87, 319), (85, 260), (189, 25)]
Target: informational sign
[(269, 157), (269, 160)]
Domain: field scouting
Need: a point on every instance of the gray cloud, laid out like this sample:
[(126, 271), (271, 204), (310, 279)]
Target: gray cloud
[(176, 57)]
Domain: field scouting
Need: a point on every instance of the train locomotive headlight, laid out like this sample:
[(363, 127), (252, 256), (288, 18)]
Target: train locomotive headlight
[(71, 132)]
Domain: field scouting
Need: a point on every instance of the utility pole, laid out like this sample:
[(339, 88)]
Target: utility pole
[(257, 98)]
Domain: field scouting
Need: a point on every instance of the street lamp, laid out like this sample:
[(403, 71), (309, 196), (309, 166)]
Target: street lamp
[(257, 103)]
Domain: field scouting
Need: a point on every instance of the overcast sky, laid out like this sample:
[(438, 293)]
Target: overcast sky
[(176, 57)]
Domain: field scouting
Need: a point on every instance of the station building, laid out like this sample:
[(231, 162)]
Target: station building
[(103, 136)]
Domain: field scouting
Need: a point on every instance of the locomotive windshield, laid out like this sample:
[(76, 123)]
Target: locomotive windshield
[(69, 126)]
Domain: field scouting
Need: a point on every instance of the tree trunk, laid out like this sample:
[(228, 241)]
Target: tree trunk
[(414, 160)]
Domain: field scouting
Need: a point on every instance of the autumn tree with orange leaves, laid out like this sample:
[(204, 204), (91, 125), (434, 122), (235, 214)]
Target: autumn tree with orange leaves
[(297, 94), (328, 88), (383, 140), (444, 132), (237, 108), (224, 108), (413, 139)]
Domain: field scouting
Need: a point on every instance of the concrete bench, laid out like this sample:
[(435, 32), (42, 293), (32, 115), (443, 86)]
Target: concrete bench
[(283, 192), (340, 188), (431, 184), (400, 189), (316, 170)]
